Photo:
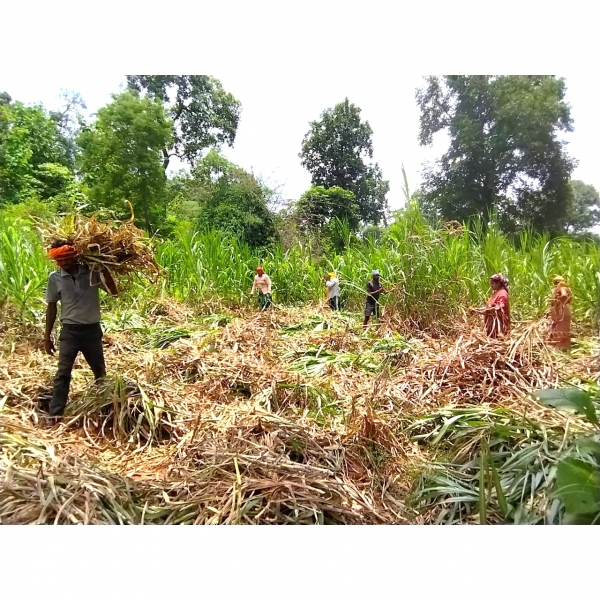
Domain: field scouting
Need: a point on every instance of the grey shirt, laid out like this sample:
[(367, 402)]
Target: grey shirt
[(79, 301)]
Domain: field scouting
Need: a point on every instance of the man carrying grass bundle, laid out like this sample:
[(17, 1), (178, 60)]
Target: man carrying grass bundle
[(77, 290), (374, 289), (262, 283)]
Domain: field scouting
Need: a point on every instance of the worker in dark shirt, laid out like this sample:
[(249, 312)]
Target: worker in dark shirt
[(374, 289), (77, 291)]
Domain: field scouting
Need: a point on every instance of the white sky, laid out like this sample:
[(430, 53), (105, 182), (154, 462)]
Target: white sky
[(287, 62), (276, 111)]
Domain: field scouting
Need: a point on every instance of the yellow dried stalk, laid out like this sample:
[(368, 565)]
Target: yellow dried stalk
[(124, 249)]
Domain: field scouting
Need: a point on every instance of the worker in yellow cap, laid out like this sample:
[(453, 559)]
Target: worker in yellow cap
[(332, 284)]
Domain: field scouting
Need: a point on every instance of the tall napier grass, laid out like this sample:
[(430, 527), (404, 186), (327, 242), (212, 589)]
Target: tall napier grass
[(532, 262), (440, 272), (437, 273), (213, 265), (23, 267)]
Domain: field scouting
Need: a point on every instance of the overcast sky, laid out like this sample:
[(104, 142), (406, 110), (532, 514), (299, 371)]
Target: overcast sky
[(277, 109)]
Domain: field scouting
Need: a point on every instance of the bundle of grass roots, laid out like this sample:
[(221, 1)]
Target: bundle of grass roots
[(119, 247)]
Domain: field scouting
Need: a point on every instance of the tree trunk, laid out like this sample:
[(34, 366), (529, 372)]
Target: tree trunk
[(165, 151), (488, 196), (147, 217)]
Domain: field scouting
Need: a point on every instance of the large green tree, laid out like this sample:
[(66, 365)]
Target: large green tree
[(121, 157), (232, 200), (319, 205), (583, 210), (204, 115), (335, 152), (34, 157), (505, 154)]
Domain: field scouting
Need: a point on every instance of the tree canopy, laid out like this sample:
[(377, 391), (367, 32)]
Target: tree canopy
[(506, 158), (34, 158), (121, 157), (232, 200), (583, 210), (69, 119), (203, 114), (504, 154), (335, 151), (319, 205)]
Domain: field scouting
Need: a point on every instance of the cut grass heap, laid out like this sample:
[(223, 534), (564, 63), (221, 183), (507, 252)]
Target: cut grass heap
[(217, 421)]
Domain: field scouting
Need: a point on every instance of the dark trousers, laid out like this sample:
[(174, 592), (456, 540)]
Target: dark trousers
[(86, 339), (334, 303), (264, 300)]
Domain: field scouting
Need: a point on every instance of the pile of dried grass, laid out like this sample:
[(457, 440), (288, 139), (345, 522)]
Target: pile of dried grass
[(474, 368), (124, 410), (212, 429), (248, 466), (123, 248), (216, 428), (263, 467), (40, 487)]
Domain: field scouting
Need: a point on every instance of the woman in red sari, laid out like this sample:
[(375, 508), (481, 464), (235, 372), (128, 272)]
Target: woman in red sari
[(560, 313), (496, 314)]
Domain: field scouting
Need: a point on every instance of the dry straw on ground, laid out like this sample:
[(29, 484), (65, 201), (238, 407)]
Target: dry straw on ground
[(474, 368), (219, 427)]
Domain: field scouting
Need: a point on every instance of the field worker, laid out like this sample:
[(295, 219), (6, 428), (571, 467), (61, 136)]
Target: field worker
[(333, 291), (496, 313), (560, 313), (80, 318), (262, 284), (374, 289)]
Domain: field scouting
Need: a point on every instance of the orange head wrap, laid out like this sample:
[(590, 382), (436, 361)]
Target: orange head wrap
[(62, 252), (259, 268)]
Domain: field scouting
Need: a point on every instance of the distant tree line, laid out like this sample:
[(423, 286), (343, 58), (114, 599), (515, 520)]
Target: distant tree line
[(504, 159)]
